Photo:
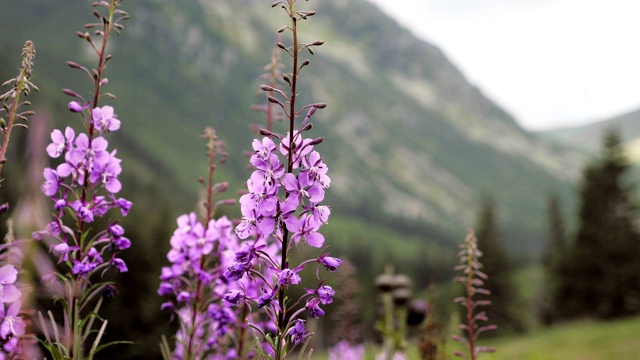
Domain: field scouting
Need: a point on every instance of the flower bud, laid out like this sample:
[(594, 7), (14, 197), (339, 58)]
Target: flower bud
[(74, 106)]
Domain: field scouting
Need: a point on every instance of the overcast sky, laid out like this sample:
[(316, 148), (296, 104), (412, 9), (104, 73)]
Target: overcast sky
[(550, 63)]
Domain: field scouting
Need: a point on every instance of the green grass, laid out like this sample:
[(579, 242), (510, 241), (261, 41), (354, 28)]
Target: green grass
[(585, 340)]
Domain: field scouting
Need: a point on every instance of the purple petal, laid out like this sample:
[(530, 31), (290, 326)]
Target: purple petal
[(315, 239)]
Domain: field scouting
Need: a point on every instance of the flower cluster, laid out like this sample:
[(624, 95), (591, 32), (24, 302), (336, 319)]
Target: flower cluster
[(263, 213), (12, 327), (282, 208), (194, 281), (74, 187)]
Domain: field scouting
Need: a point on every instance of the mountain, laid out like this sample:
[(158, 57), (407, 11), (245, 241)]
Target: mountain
[(411, 145), (589, 137)]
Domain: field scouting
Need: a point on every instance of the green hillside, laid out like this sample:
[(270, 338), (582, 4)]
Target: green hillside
[(411, 145), (588, 137)]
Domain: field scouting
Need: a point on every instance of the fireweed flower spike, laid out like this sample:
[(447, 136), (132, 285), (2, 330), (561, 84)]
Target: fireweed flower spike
[(472, 278), (207, 306), (12, 326), (283, 206), (83, 187)]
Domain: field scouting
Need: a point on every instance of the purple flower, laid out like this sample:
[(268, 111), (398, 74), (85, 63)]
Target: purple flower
[(184, 296), (236, 271), (75, 106), (62, 250), (94, 152), (300, 188), (306, 229), (119, 264), (108, 174), (313, 306), (289, 276), (233, 297), (345, 351), (116, 230), (165, 289), (325, 294), (8, 291), (90, 261), (12, 325), (122, 243), (124, 205), (61, 143), (82, 211), (104, 119), (266, 297), (329, 262), (298, 332), (316, 170), (51, 182)]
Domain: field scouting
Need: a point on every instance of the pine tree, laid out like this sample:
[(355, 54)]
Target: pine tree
[(602, 270), (497, 264), (553, 259)]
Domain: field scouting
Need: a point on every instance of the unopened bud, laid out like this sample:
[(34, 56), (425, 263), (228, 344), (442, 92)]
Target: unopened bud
[(74, 65), (4, 207), (317, 141), (104, 81), (70, 92), (266, 88), (282, 29), (273, 100), (222, 186)]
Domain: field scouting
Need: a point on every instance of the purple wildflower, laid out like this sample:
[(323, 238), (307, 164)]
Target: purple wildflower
[(8, 291), (61, 143), (329, 262), (313, 306), (104, 119), (298, 332), (75, 106), (51, 182), (289, 276)]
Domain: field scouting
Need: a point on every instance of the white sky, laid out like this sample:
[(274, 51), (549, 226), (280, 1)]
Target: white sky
[(550, 63)]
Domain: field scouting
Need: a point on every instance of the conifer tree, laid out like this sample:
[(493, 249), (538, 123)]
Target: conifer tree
[(498, 266), (553, 259), (602, 270)]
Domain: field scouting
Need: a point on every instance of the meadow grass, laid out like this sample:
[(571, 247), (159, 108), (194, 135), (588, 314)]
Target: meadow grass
[(583, 340)]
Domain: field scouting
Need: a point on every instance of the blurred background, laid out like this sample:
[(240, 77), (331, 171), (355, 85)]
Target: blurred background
[(441, 116)]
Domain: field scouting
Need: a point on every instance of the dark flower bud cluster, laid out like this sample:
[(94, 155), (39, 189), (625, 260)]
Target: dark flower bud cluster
[(473, 279)]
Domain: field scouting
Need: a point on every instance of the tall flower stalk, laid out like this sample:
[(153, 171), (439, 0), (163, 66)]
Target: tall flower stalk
[(194, 283), (11, 104), (283, 207), (473, 279), (83, 188), (12, 325)]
